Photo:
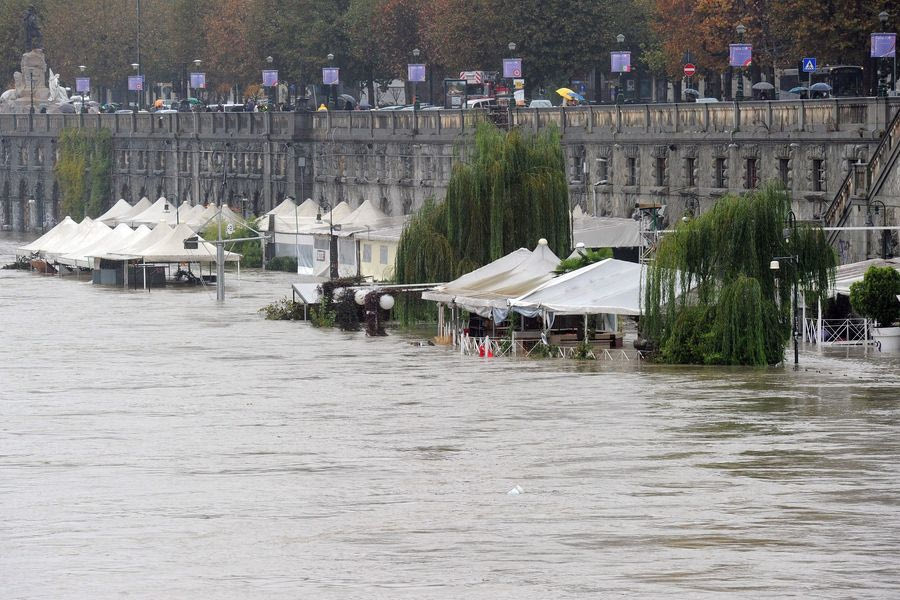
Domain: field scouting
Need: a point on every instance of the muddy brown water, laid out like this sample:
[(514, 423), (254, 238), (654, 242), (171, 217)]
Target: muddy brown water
[(157, 445)]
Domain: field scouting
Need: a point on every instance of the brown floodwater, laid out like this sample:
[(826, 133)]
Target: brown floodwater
[(158, 445)]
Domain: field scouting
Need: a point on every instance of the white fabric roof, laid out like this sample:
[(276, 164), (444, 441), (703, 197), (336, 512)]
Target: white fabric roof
[(495, 284), (340, 212), (161, 210), (848, 274), (119, 209), (610, 286), (63, 229), (171, 249), (89, 231), (142, 205), (83, 255), (366, 215), (606, 232), (134, 247)]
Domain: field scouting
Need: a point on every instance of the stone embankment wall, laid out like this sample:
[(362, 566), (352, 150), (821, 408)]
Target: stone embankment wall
[(684, 156)]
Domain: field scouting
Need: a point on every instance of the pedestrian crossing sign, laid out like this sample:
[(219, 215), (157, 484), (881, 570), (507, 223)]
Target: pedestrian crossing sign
[(809, 65)]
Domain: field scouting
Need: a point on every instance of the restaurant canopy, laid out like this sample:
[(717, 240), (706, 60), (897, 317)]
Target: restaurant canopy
[(850, 273), (144, 238), (605, 232), (607, 287), (171, 249), (142, 205), (119, 209), (83, 256), (62, 230), (89, 231), (487, 291)]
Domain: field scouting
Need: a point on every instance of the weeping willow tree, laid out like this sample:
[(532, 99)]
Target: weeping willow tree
[(509, 193), (84, 171), (734, 309)]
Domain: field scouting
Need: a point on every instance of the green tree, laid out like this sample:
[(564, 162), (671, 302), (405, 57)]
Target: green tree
[(875, 297)]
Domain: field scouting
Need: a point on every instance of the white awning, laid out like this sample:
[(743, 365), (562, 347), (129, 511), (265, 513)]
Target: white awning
[(850, 273)]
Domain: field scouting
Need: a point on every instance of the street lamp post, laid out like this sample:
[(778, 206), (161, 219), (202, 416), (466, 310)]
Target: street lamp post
[(620, 95), (82, 69), (512, 82), (415, 54), (333, 91), (883, 17), (31, 79), (741, 30), (136, 68), (775, 265), (196, 62), (269, 61)]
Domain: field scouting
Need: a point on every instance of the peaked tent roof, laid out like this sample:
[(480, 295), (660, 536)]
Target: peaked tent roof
[(606, 232), (63, 229), (610, 287), (495, 284), (286, 217), (160, 210), (171, 249), (119, 209), (366, 215), (83, 255), (142, 205), (134, 247), (89, 231)]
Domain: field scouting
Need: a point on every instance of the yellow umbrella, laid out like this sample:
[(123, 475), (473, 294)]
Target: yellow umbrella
[(565, 93)]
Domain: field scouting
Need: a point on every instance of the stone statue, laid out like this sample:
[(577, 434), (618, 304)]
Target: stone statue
[(57, 92), (33, 39)]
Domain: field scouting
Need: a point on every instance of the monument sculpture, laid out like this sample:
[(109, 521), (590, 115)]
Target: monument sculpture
[(32, 91)]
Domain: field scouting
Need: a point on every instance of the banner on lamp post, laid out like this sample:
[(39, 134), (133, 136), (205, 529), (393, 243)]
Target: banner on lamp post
[(270, 78), (519, 91), (415, 73), (620, 62), (740, 55), (884, 45), (135, 83), (83, 85), (331, 75), (512, 68), (198, 81)]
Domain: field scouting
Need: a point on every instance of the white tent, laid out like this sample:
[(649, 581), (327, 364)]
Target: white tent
[(171, 249), (65, 228), (137, 244), (89, 231), (287, 208), (83, 256), (607, 287), (367, 215), (605, 232), (161, 210), (142, 205), (119, 209), (850, 273), (488, 290)]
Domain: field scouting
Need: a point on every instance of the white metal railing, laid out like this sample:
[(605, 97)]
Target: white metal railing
[(854, 332), (483, 347)]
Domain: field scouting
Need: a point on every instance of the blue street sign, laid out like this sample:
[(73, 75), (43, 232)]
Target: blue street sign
[(809, 65)]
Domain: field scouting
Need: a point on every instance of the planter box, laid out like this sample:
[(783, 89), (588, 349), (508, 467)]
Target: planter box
[(887, 338)]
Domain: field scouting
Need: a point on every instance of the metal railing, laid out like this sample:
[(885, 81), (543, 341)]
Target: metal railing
[(850, 332), (484, 347)]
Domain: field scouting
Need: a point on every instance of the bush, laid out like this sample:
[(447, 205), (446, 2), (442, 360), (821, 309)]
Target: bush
[(287, 264), (283, 310), (321, 317), (346, 311), (875, 297)]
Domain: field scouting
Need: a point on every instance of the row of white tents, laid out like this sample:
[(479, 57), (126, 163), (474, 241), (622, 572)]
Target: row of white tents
[(85, 244), (150, 214)]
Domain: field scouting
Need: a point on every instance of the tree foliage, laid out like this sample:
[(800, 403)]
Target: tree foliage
[(875, 297), (84, 171), (711, 296)]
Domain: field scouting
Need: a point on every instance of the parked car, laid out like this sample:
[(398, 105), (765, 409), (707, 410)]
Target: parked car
[(540, 104), (707, 100)]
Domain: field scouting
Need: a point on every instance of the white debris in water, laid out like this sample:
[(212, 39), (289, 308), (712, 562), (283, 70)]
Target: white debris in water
[(515, 491)]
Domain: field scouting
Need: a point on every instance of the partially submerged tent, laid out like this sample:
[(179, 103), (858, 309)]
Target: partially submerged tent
[(83, 256), (132, 250), (161, 210), (488, 290), (119, 209), (607, 287), (171, 249), (64, 229), (89, 231)]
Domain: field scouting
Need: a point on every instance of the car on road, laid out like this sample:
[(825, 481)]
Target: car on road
[(540, 104)]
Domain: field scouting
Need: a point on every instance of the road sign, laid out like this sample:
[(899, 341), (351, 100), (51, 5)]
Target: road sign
[(512, 68), (229, 229), (809, 65), (689, 70)]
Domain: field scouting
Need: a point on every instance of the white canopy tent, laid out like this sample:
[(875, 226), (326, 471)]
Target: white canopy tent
[(607, 287), (171, 249), (119, 209), (89, 231), (606, 232), (142, 205), (65, 228), (161, 210), (83, 256), (850, 273), (488, 290), (132, 250)]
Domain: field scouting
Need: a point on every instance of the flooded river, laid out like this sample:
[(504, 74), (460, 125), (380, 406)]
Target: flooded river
[(156, 445)]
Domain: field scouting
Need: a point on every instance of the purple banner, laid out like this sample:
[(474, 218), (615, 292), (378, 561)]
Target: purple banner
[(83, 85), (135, 83), (270, 78), (331, 75), (512, 68), (884, 45), (415, 73), (740, 55), (620, 62), (198, 81)]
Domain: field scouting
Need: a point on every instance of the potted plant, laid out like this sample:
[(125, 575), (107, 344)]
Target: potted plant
[(875, 297)]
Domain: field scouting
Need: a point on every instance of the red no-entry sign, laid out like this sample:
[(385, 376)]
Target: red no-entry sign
[(689, 70)]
